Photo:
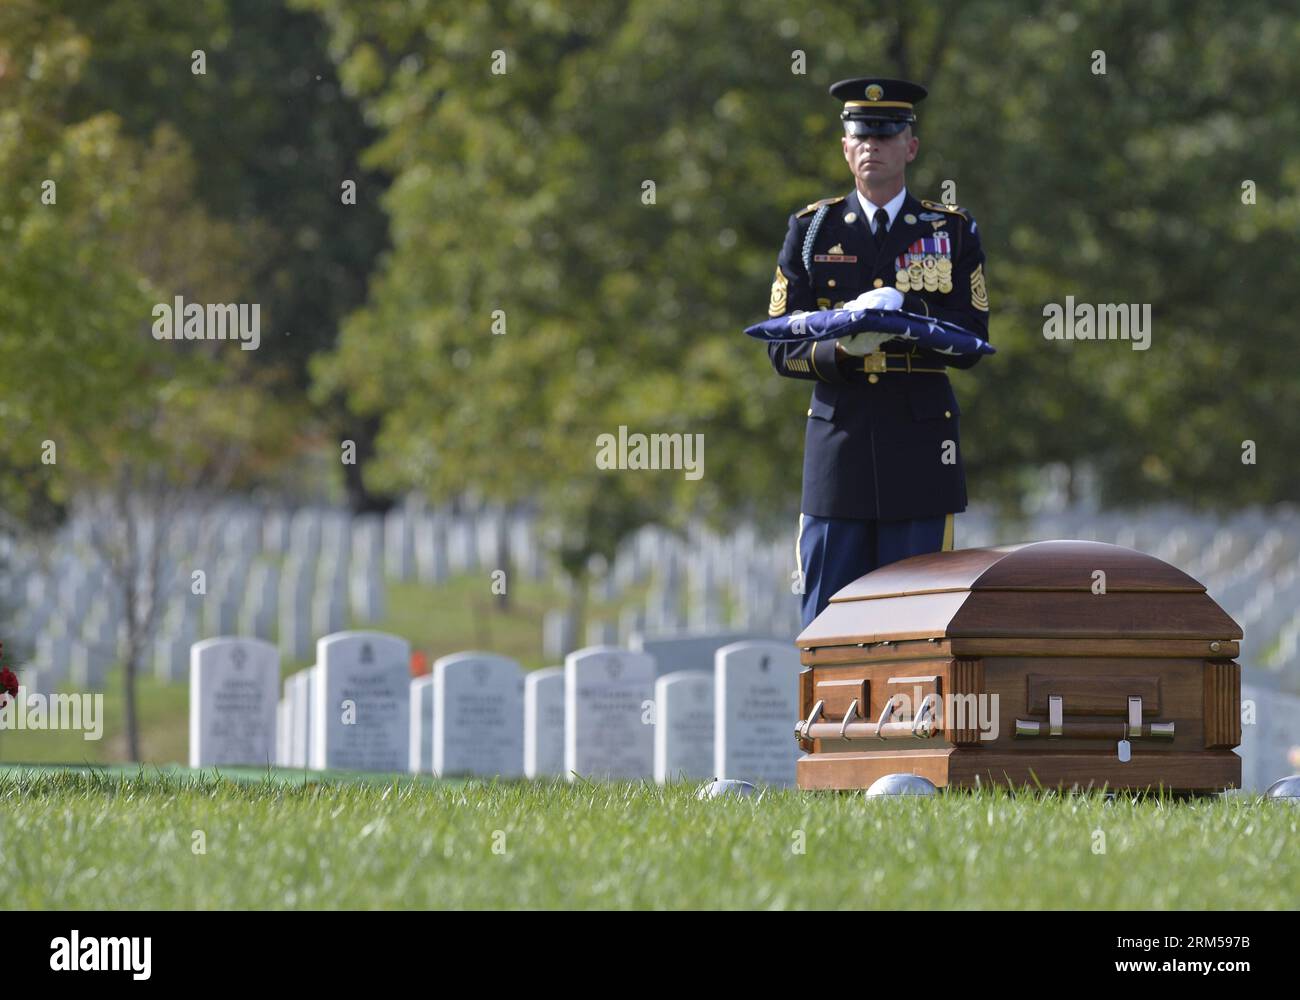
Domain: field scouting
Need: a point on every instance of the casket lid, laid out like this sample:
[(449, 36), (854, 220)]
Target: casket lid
[(1033, 589)]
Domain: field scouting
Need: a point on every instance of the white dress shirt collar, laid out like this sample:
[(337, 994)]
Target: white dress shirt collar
[(893, 208)]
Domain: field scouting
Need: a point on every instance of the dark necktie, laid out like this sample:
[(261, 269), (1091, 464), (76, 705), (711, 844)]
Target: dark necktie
[(882, 225)]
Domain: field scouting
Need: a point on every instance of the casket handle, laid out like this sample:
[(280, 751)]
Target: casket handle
[(1095, 729), (849, 716), (854, 727), (925, 718), (802, 727), (885, 714)]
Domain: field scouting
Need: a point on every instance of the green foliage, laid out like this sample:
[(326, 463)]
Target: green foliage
[(275, 137), (522, 193), (220, 187), (517, 203), (123, 232)]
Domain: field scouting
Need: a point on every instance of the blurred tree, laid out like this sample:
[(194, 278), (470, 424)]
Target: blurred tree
[(518, 200), (98, 227), (537, 297), (276, 140)]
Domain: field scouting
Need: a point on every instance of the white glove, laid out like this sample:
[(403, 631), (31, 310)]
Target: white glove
[(878, 298), (888, 299), (861, 344)]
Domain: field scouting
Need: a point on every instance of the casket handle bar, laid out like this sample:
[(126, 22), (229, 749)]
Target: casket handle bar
[(802, 727), (924, 721), (885, 714), (849, 716), (854, 727), (1095, 729)]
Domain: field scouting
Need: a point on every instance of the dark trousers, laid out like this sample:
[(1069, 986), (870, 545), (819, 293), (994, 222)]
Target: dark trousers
[(835, 551)]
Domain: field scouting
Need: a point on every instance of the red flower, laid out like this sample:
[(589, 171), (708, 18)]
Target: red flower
[(9, 682)]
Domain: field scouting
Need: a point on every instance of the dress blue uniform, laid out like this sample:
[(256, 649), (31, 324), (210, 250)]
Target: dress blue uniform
[(882, 473)]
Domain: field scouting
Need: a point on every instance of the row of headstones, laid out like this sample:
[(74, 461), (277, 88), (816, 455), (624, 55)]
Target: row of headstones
[(1249, 563), (678, 653), (244, 601), (1270, 743), (604, 714), (409, 542), (1201, 544), (312, 596)]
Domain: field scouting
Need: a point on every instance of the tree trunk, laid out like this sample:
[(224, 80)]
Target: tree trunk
[(577, 608), (132, 722), (503, 559), (364, 431), (129, 578)]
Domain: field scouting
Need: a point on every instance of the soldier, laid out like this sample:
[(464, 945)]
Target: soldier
[(882, 473)]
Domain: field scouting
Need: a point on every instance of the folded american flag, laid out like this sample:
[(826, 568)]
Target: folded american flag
[(924, 331)]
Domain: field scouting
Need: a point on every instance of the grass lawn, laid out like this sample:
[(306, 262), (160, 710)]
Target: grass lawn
[(123, 838)]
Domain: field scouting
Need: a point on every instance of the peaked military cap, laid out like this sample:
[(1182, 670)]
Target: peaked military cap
[(876, 105)]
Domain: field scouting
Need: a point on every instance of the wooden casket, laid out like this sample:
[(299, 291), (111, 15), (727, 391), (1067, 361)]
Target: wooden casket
[(1054, 664)]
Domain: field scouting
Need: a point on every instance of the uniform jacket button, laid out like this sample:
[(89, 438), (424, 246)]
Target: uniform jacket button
[(810, 411), (947, 413), (873, 378)]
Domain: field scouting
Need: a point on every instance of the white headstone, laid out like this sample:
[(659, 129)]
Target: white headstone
[(687, 652), (169, 664), (430, 534), (399, 544), (234, 688), (684, 726), (275, 531), (34, 680), (544, 722), (328, 611), (602, 632), (368, 540), (298, 689), (421, 749), (757, 703), (361, 712), (257, 613), (607, 713), (90, 663), (295, 628), (478, 712), (282, 733), (1271, 743), (366, 592), (558, 634), (631, 620)]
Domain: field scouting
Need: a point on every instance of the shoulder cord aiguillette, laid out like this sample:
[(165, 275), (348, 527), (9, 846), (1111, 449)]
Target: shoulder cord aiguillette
[(811, 235)]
